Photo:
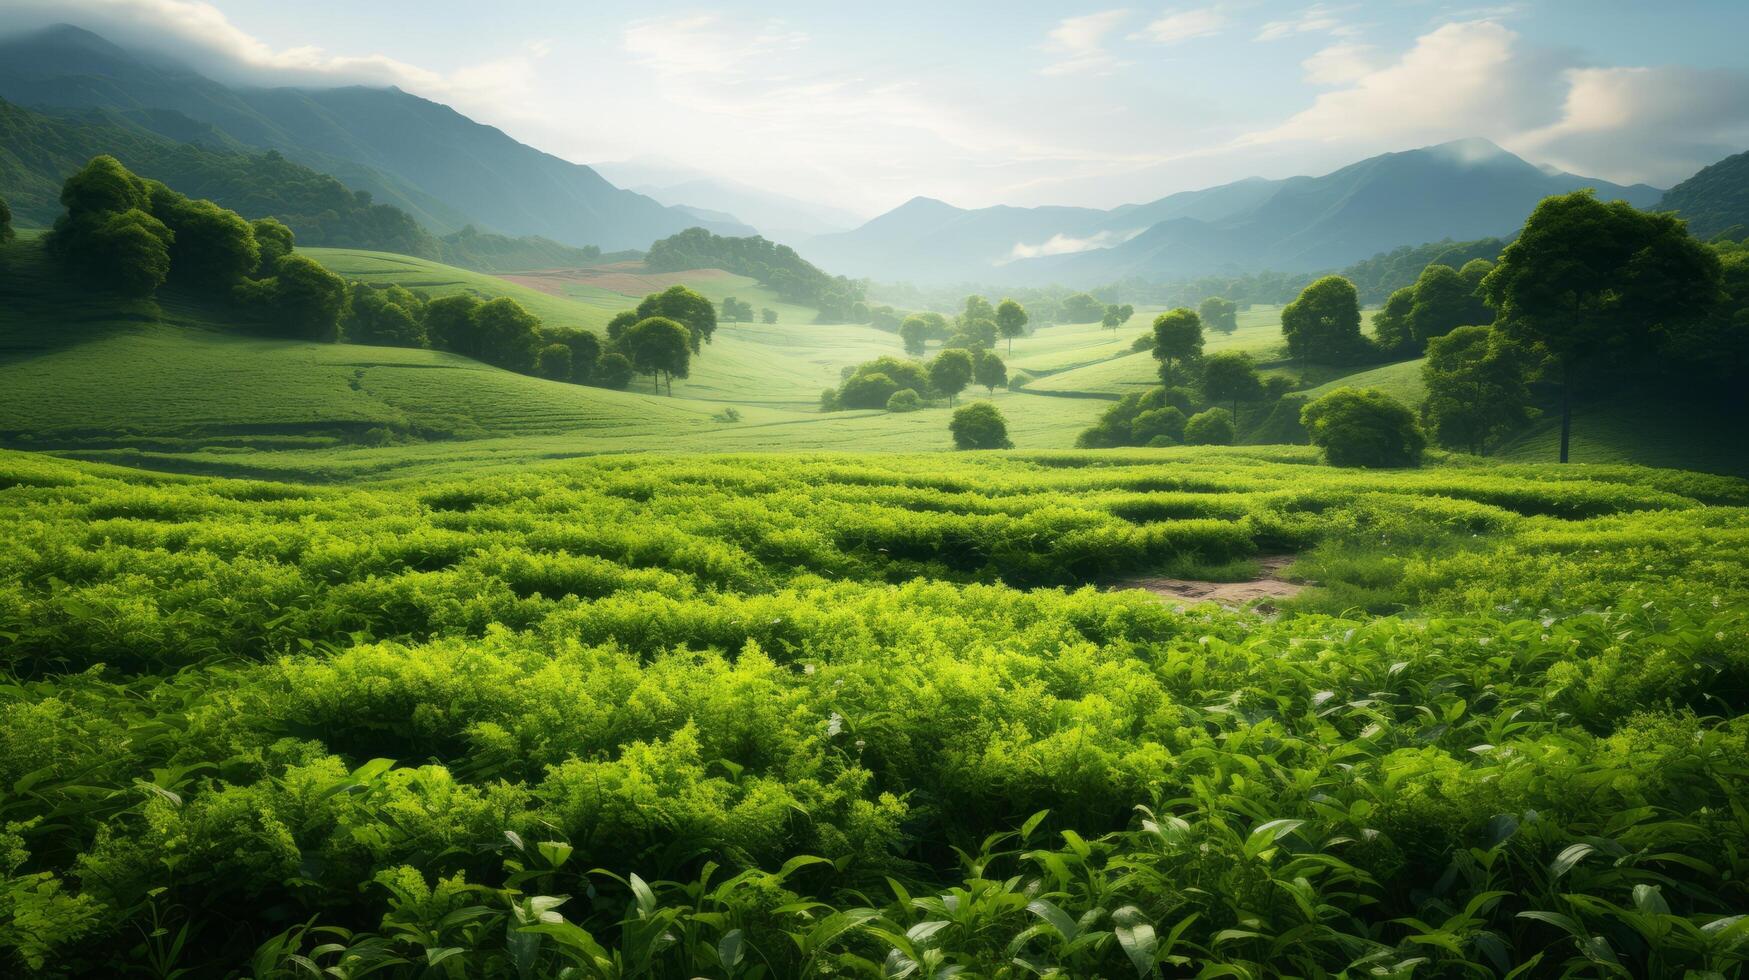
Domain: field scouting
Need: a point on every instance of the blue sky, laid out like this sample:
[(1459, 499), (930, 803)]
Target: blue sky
[(864, 106)]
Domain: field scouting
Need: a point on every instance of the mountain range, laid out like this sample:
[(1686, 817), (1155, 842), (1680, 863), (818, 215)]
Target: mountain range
[(1464, 189), (436, 164)]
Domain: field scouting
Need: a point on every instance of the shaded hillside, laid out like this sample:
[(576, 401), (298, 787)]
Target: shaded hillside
[(1715, 200), (441, 167)]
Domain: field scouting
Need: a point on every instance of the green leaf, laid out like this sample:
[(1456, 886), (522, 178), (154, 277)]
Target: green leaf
[(1565, 861), (1136, 935)]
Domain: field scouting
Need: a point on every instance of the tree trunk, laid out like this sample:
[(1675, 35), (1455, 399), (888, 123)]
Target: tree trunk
[(1566, 412)]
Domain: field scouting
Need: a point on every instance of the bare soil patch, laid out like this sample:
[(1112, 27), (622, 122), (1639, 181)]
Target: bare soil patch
[(626, 278), (1269, 585)]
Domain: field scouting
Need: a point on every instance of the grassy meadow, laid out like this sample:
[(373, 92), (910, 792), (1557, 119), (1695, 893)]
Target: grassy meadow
[(671, 715)]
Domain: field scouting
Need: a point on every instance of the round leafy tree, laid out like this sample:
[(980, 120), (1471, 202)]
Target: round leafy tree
[(904, 400), (1211, 428), (1364, 427), (979, 426)]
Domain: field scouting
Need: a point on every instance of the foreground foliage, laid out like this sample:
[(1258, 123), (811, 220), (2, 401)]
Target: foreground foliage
[(831, 715)]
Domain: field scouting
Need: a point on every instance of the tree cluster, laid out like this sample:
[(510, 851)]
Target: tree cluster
[(778, 267), (873, 384)]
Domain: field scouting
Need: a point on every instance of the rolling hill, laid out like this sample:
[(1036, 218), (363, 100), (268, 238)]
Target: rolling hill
[(1466, 189), (1715, 200), (439, 166)]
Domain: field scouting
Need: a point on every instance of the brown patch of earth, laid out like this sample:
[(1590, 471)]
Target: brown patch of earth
[(1267, 586), (625, 278)]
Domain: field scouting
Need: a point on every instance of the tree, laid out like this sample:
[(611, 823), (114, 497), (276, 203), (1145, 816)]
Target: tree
[(684, 307), (979, 426), (913, 333), (1473, 272), (302, 300), (1593, 283), (387, 317), (449, 323), (1177, 339), (619, 323), (1365, 428), (872, 389), (978, 334), (735, 311), (103, 186), (1155, 424), (988, 370), (661, 348), (768, 315), (273, 241), (1229, 376), (507, 334), (1390, 325), (555, 362), (1442, 304), (1477, 388), (1116, 316), (950, 372), (1219, 314), (904, 400), (211, 248), (1011, 321), (129, 251), (585, 351), (1211, 428), (1081, 308), (977, 308), (613, 370), (1323, 324)]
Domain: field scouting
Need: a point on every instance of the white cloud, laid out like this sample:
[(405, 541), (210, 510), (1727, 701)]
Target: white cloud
[(1656, 125), (704, 44), (1079, 44), (1066, 244), (1316, 19), (1459, 80), (1340, 64), (1183, 25)]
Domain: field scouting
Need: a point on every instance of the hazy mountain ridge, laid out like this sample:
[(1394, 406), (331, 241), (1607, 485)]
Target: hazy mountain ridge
[(1465, 189), (431, 161)]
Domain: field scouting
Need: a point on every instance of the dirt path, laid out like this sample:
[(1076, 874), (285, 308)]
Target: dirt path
[(1267, 586)]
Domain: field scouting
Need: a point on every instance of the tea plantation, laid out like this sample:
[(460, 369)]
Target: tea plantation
[(874, 716)]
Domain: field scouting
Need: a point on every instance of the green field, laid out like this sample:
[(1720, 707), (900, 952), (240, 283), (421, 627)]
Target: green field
[(672, 716)]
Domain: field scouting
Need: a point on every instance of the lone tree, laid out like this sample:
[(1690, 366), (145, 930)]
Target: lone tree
[(1593, 283), (1477, 387), (767, 315), (1219, 314), (660, 348), (1323, 324), (914, 334), (684, 307), (1116, 316), (1365, 428), (1229, 376), (988, 370), (979, 426), (1177, 340), (1011, 321), (950, 372)]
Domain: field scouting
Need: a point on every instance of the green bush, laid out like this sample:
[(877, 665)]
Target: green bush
[(1366, 428), (1211, 428), (979, 426), (904, 400)]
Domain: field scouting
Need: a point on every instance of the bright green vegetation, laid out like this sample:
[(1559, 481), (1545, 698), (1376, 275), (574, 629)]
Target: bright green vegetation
[(834, 715), (1402, 381), (437, 279)]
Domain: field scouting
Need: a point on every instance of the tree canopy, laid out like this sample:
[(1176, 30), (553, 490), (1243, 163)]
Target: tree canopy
[(1323, 324), (1364, 427), (659, 347)]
